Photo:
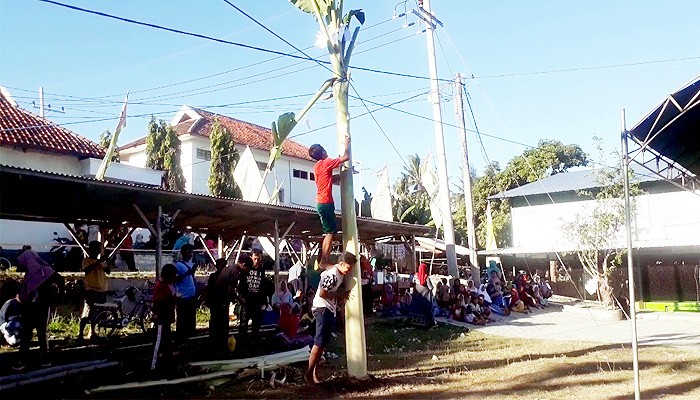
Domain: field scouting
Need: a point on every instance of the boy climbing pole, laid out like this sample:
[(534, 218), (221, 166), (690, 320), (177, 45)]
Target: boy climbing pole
[(323, 171)]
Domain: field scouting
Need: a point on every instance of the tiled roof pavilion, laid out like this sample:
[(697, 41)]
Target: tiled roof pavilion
[(195, 121), (23, 130)]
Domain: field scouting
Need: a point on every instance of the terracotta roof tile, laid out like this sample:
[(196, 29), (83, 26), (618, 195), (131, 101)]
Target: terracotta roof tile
[(22, 129), (244, 133)]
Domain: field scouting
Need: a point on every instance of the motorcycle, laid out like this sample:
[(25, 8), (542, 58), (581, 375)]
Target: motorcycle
[(66, 256)]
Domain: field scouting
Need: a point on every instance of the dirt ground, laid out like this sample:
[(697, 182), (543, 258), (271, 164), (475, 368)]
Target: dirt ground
[(448, 362)]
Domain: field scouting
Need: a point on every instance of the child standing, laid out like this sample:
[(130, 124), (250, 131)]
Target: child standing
[(96, 270), (323, 171), (163, 315)]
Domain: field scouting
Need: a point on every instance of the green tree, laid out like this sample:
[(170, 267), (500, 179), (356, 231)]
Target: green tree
[(599, 230), (224, 158), (548, 158), (104, 140), (410, 201), (163, 153)]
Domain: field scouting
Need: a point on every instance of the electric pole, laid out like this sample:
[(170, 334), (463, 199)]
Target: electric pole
[(466, 175), (444, 191), (41, 101)]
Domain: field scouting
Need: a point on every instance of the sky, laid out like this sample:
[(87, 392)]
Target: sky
[(535, 70)]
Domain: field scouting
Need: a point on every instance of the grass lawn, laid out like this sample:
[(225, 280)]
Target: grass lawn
[(446, 362)]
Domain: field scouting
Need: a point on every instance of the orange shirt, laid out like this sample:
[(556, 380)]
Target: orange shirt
[(323, 170)]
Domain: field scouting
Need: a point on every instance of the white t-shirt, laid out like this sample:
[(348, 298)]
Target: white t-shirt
[(331, 279)]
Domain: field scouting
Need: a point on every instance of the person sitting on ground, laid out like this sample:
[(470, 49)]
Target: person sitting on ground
[(290, 337), (11, 314), (500, 299), (470, 287), (443, 294), (484, 308), (307, 323), (389, 301), (455, 290), (323, 172), (526, 293), (537, 292), (473, 312), (516, 304), (282, 296), (96, 270), (164, 301), (457, 308)]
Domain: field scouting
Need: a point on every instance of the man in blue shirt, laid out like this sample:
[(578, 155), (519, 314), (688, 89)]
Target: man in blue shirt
[(185, 291)]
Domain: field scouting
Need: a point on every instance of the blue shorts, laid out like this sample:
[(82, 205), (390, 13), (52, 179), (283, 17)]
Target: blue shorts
[(326, 211), (325, 324)]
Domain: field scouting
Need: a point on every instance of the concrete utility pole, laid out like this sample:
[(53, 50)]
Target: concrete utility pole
[(41, 101), (444, 191), (466, 175)]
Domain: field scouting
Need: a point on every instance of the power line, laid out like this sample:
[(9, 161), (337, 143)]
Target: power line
[(278, 36), (363, 114), (584, 68), (246, 46)]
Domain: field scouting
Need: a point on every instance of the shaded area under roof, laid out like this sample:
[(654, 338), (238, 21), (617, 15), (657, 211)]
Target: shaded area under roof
[(43, 196), (672, 129)]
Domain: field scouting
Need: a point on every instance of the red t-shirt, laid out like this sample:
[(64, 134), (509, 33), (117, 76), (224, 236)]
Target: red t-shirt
[(323, 170), (163, 303)]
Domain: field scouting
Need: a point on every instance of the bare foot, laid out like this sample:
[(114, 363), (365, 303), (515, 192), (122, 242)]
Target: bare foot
[(311, 378)]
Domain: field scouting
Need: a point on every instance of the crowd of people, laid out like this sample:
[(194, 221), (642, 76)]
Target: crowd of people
[(305, 316), (464, 300)]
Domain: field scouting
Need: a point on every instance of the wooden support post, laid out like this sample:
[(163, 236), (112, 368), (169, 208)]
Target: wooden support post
[(277, 251)]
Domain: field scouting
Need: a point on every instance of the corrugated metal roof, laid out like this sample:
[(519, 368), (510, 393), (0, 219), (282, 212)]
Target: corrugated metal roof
[(566, 182), (110, 203)]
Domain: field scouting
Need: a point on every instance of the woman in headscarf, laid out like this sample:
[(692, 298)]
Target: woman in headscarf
[(39, 288), (423, 285), (282, 296)]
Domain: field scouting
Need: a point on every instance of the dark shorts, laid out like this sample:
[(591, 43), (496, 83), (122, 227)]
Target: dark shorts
[(325, 324), (326, 211)]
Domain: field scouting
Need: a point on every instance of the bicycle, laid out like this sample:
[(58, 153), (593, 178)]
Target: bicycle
[(5, 264), (112, 315)]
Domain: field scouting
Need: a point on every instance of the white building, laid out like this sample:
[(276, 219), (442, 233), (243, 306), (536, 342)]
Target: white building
[(539, 211), (665, 234), (29, 141), (294, 171)]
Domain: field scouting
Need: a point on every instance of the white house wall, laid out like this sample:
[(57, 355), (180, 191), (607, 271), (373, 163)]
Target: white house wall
[(668, 219), (59, 163), (296, 191)]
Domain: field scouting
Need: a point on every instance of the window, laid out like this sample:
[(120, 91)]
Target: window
[(261, 165), (204, 154), (312, 177), (336, 180), (297, 173)]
